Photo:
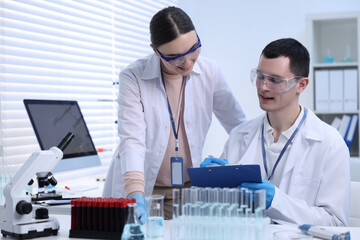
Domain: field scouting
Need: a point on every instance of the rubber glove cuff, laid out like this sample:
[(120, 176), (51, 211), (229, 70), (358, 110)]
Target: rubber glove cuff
[(140, 201), (213, 161), (266, 185)]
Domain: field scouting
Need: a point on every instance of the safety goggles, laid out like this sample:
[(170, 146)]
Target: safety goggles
[(178, 60), (274, 83)]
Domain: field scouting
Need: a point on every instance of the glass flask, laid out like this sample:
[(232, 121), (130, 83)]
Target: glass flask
[(132, 229)]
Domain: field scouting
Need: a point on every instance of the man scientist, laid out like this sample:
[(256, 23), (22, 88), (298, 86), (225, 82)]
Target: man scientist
[(304, 162)]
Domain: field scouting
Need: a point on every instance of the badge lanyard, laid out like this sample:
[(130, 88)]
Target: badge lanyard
[(283, 150), (176, 131), (176, 163)]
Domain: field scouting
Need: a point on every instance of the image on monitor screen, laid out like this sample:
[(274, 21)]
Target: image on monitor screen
[(51, 121)]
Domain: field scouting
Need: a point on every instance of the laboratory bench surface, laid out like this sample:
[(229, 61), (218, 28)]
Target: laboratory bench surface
[(92, 187), (64, 221)]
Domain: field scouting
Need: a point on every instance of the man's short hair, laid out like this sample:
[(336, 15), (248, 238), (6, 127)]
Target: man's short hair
[(294, 50)]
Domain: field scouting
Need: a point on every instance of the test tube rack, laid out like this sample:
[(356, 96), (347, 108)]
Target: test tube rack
[(219, 214), (98, 218)]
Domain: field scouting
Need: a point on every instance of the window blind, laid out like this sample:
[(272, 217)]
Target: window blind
[(67, 50)]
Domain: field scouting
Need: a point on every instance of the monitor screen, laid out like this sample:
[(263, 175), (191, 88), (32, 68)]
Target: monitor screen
[(51, 121)]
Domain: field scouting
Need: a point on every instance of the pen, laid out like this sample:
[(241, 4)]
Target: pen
[(323, 233)]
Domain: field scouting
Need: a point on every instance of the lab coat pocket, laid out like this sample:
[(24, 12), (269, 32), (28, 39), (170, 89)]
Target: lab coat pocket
[(305, 188)]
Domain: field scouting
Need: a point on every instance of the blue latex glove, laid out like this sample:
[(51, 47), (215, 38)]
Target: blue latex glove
[(268, 186), (140, 201), (213, 161)]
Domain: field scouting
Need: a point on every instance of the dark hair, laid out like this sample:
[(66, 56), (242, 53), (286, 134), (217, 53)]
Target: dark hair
[(168, 24), (294, 50)]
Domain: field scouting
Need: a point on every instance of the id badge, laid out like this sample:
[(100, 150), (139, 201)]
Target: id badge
[(177, 171)]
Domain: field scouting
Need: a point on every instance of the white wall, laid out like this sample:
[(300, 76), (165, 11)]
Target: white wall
[(234, 32)]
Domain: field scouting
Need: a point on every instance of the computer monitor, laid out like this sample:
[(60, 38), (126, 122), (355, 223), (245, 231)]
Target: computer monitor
[(51, 121)]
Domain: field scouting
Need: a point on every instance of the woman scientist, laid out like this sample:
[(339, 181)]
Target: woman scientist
[(166, 101)]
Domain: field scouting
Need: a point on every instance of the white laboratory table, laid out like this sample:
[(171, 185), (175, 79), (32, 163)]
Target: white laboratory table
[(91, 187), (64, 221)]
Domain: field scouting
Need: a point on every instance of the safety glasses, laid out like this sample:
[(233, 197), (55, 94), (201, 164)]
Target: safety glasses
[(178, 60), (274, 83)]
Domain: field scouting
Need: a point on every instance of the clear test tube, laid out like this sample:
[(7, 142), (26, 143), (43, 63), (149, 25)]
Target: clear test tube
[(186, 202), (203, 195), (246, 200), (221, 220), (215, 201), (207, 197), (224, 198), (204, 198), (249, 196), (176, 203), (224, 202), (194, 200), (260, 203), (194, 223), (175, 223), (243, 199), (214, 197), (260, 216), (197, 190), (233, 199)]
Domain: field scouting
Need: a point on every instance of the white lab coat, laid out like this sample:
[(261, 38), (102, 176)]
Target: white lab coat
[(315, 184), (144, 122)]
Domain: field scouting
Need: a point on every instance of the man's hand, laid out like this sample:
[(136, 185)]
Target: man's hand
[(267, 186)]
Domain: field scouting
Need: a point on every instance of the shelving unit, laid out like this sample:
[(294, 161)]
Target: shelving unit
[(333, 44)]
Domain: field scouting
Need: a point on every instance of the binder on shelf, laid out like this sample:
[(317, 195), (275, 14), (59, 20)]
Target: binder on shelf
[(336, 123), (350, 89), (351, 130), (322, 90), (336, 89), (344, 125)]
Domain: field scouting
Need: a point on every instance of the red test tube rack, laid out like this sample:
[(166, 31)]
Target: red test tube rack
[(98, 218)]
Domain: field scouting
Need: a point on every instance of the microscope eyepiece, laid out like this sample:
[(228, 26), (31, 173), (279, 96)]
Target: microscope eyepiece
[(65, 141)]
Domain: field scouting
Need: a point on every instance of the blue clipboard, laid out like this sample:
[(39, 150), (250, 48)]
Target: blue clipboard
[(224, 176)]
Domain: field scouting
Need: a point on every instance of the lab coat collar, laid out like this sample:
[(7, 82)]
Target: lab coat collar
[(196, 68), (153, 70), (248, 132), (248, 126), (311, 128), (251, 129)]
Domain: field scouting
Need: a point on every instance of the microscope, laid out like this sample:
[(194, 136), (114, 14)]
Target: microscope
[(19, 221)]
